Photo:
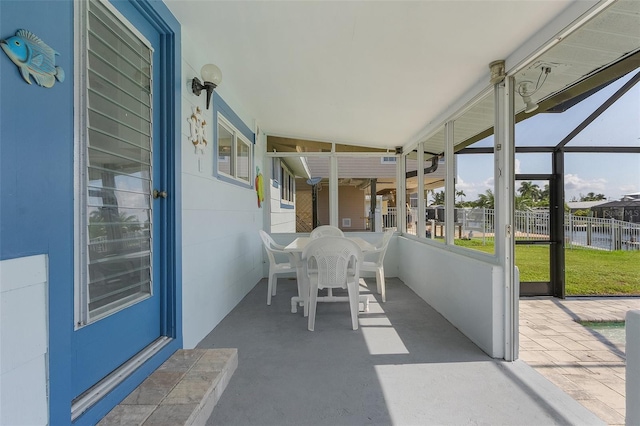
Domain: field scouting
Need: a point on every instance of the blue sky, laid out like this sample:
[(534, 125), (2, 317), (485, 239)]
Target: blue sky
[(610, 174)]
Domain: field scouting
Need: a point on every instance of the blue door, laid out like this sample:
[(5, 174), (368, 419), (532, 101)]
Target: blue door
[(121, 194)]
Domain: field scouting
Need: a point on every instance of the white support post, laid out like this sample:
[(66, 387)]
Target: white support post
[(449, 187), (401, 194), (504, 157), (333, 192), (420, 231)]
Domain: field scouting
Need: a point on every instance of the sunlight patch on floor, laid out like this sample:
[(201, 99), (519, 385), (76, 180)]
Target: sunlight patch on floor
[(379, 335)]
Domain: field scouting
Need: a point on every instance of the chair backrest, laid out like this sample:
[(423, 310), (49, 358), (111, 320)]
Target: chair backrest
[(388, 234), (326, 231), (333, 260), (381, 247), (269, 245)]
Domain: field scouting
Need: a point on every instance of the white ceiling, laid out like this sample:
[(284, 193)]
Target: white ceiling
[(372, 73)]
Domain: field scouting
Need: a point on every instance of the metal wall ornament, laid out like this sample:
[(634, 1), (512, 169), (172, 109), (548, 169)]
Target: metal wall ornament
[(197, 130), (33, 57)]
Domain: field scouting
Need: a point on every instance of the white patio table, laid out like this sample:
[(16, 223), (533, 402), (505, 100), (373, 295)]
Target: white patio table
[(295, 248)]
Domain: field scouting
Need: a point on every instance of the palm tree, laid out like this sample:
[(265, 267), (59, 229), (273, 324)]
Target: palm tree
[(485, 200), (438, 198), (530, 190), (591, 196), (544, 194)]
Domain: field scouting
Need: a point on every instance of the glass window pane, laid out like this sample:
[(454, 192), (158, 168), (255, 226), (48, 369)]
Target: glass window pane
[(366, 194), (601, 177), (618, 125), (119, 157), (225, 150), (533, 163), (434, 171), (103, 77), (300, 200), (475, 214), (474, 184), (532, 195), (243, 161)]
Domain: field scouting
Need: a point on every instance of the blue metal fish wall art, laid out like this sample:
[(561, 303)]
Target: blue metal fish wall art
[(33, 56)]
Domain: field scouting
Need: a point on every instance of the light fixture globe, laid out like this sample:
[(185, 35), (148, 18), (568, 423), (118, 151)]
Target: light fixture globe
[(211, 74)]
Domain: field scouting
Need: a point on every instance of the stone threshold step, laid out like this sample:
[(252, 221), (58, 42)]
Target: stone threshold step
[(182, 391)]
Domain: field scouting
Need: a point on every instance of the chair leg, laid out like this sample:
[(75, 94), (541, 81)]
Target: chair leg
[(306, 299), (365, 303), (381, 284), (312, 305), (354, 303), (270, 287)]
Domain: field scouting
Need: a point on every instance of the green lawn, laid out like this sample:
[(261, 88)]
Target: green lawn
[(588, 272)]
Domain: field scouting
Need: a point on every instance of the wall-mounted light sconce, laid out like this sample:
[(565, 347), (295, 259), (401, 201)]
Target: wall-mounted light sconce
[(212, 76), (526, 90)]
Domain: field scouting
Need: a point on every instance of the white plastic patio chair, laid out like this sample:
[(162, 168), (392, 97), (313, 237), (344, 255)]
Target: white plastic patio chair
[(374, 262), (326, 231), (275, 268), (333, 262)]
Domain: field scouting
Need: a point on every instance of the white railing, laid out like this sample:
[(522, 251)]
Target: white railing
[(478, 223)]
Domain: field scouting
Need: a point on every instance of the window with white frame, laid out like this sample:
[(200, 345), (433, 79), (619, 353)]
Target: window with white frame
[(235, 157), (276, 171), (287, 189)]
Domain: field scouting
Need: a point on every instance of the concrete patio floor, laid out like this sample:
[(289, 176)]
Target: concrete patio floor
[(405, 365), (584, 363)]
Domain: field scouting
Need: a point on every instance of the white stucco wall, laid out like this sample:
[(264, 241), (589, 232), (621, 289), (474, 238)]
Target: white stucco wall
[(282, 220), (221, 248), (23, 341), (465, 290)]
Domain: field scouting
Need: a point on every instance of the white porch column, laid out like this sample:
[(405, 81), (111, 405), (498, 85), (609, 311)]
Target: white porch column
[(333, 190), (401, 194), (420, 229), (504, 173), (449, 185)]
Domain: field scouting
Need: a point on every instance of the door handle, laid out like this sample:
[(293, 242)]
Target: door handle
[(159, 194)]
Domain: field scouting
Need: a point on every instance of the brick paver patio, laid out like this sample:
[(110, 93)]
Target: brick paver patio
[(583, 363)]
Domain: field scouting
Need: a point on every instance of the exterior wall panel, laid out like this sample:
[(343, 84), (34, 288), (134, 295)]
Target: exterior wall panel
[(222, 251), (23, 341)]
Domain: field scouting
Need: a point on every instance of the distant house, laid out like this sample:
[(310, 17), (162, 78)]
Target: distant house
[(626, 209), (574, 206), (634, 196)]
